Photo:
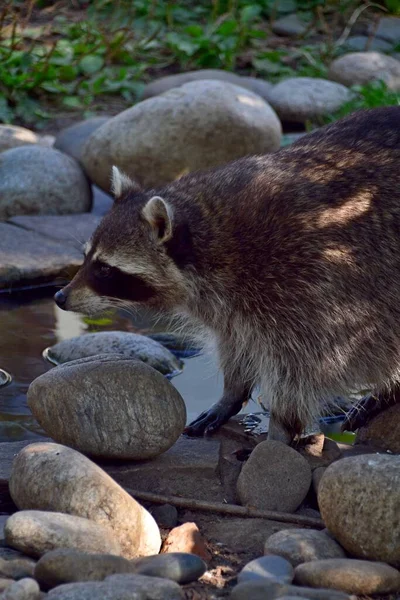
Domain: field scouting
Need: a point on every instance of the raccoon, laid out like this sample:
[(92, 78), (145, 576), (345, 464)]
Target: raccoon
[(291, 260)]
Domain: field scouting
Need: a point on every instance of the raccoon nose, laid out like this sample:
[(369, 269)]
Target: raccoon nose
[(60, 299)]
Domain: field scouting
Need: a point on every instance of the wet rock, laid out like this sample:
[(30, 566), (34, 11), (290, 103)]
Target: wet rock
[(189, 468), (27, 258), (389, 29), (35, 532), (71, 139), (166, 516), (120, 587), (383, 431), (109, 408), (359, 577), (129, 345), (300, 99), (5, 377), (355, 492), (362, 43), (269, 590), (12, 136), (52, 477), (275, 477), (182, 567), (74, 230), (16, 568), (303, 545), (359, 68), (25, 589), (210, 123), (289, 25), (187, 539), (274, 568), (36, 180)]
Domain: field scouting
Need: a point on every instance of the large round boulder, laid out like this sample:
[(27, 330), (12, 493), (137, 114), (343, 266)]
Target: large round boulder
[(360, 68), (51, 477), (41, 181), (71, 139), (109, 407), (198, 125), (359, 500)]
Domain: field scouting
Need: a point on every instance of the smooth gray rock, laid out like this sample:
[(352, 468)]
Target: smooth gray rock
[(382, 431), (166, 516), (269, 590), (71, 139), (38, 180), (35, 532), (274, 568), (102, 202), (361, 43), (5, 377), (258, 86), (109, 408), (359, 68), (275, 477), (210, 123), (25, 589), (300, 99), (129, 345), (27, 258), (12, 136), (17, 568), (181, 567), (389, 29), (48, 476), (74, 230), (289, 25), (120, 587), (359, 500), (303, 545), (359, 577)]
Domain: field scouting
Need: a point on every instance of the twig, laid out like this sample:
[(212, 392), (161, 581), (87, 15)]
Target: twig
[(227, 509), (353, 19)]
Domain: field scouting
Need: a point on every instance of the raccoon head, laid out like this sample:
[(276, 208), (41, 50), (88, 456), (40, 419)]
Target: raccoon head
[(127, 262)]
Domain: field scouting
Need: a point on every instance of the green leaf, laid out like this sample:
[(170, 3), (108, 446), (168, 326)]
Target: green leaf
[(194, 30), (227, 27), (91, 64), (72, 102), (250, 12)]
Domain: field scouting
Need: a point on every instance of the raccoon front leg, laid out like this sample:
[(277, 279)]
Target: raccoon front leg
[(236, 393), (370, 406)]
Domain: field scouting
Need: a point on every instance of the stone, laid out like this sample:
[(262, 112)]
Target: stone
[(210, 123), (361, 43), (189, 468), (258, 86), (24, 589), (5, 583), (166, 516), (102, 202), (360, 68), (316, 477), (71, 139), (302, 546), (74, 230), (389, 29), (359, 577), (182, 567), (37, 180), (108, 407), (382, 431), (318, 450), (12, 136), (356, 492), (5, 378), (128, 345), (289, 25), (27, 258), (35, 532), (269, 590), (274, 568), (299, 99), (187, 539), (48, 476), (120, 587), (275, 477), (16, 568)]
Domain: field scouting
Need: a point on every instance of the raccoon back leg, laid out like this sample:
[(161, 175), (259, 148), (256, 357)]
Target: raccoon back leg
[(370, 406)]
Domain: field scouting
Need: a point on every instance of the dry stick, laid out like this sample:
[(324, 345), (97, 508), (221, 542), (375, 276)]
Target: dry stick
[(227, 509)]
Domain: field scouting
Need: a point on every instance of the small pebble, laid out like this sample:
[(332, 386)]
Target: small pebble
[(360, 577), (181, 567), (187, 538), (166, 516), (302, 545), (17, 568), (24, 589), (274, 568)]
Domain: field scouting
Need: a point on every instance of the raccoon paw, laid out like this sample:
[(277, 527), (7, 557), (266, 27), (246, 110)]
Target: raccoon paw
[(207, 422)]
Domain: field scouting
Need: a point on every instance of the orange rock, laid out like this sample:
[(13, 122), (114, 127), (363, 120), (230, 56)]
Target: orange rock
[(187, 538)]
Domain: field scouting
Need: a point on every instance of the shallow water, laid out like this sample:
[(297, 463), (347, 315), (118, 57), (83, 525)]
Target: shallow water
[(30, 322)]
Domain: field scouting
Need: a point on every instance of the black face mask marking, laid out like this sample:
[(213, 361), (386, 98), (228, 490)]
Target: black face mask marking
[(111, 282)]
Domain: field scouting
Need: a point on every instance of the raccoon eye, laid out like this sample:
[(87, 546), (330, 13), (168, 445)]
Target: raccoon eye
[(103, 271)]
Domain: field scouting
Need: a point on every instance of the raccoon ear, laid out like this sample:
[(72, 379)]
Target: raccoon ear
[(121, 184), (158, 213)]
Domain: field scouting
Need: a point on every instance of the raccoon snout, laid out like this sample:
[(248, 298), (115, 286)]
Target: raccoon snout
[(60, 299)]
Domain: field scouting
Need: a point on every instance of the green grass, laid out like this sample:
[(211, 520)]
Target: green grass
[(120, 44)]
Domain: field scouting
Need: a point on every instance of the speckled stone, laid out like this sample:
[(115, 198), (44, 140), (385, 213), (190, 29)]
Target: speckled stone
[(302, 545)]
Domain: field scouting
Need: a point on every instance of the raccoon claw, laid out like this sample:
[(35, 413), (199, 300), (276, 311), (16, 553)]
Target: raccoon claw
[(367, 408), (206, 423)]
